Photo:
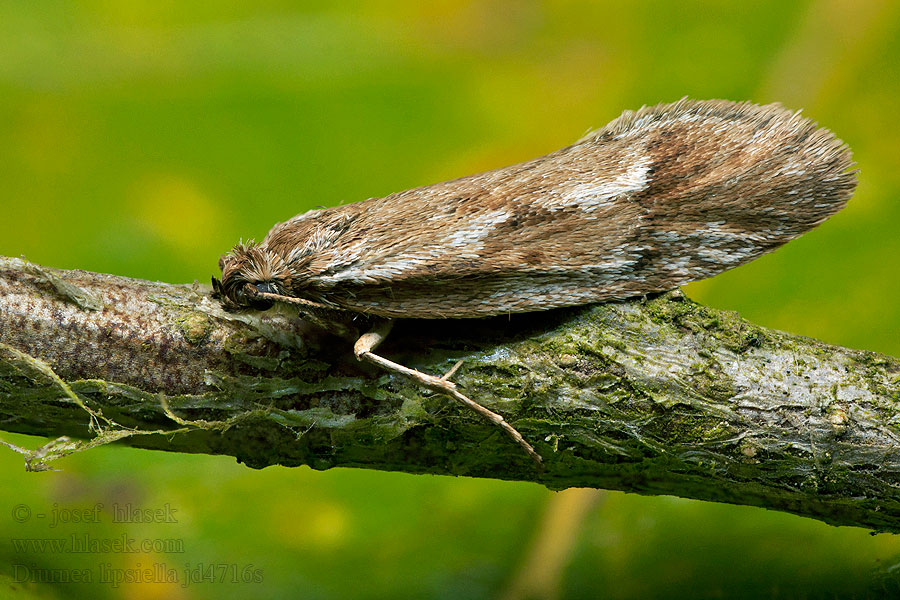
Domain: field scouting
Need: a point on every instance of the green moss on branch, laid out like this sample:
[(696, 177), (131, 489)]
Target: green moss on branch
[(657, 396)]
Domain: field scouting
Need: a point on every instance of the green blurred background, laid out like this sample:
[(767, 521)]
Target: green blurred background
[(145, 138)]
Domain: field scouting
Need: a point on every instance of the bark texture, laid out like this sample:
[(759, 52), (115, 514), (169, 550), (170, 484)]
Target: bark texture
[(654, 396)]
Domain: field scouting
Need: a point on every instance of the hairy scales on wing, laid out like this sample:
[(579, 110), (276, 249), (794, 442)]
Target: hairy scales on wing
[(657, 198)]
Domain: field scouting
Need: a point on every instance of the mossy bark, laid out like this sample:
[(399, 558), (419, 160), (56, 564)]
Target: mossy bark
[(655, 396)]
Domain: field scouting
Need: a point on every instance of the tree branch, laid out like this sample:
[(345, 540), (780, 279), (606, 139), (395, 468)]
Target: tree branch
[(657, 396)]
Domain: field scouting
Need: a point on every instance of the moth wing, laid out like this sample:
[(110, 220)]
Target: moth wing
[(657, 198)]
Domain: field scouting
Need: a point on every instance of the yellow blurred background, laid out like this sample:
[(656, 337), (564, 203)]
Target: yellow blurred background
[(145, 138)]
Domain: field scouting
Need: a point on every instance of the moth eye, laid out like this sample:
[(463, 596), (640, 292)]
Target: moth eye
[(268, 287)]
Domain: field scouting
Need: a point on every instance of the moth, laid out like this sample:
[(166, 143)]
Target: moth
[(657, 198)]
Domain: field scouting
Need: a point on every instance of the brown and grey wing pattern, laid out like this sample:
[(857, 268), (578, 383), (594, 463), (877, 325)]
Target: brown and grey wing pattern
[(655, 199)]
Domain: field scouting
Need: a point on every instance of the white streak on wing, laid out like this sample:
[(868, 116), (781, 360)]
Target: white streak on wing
[(651, 121), (350, 253), (475, 230), (612, 269), (723, 247), (296, 254), (711, 244), (712, 236), (591, 195), (726, 257), (459, 242), (794, 167)]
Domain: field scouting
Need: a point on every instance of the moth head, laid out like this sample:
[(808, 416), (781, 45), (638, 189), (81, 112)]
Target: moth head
[(251, 275)]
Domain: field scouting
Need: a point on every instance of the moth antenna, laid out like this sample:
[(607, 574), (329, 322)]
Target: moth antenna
[(289, 299)]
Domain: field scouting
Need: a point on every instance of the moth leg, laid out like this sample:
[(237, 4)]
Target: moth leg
[(364, 351), (452, 371)]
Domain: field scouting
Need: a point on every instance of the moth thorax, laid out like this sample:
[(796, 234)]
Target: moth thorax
[(260, 264)]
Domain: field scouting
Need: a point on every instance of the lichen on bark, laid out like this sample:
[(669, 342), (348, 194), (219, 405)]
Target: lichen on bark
[(657, 395)]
